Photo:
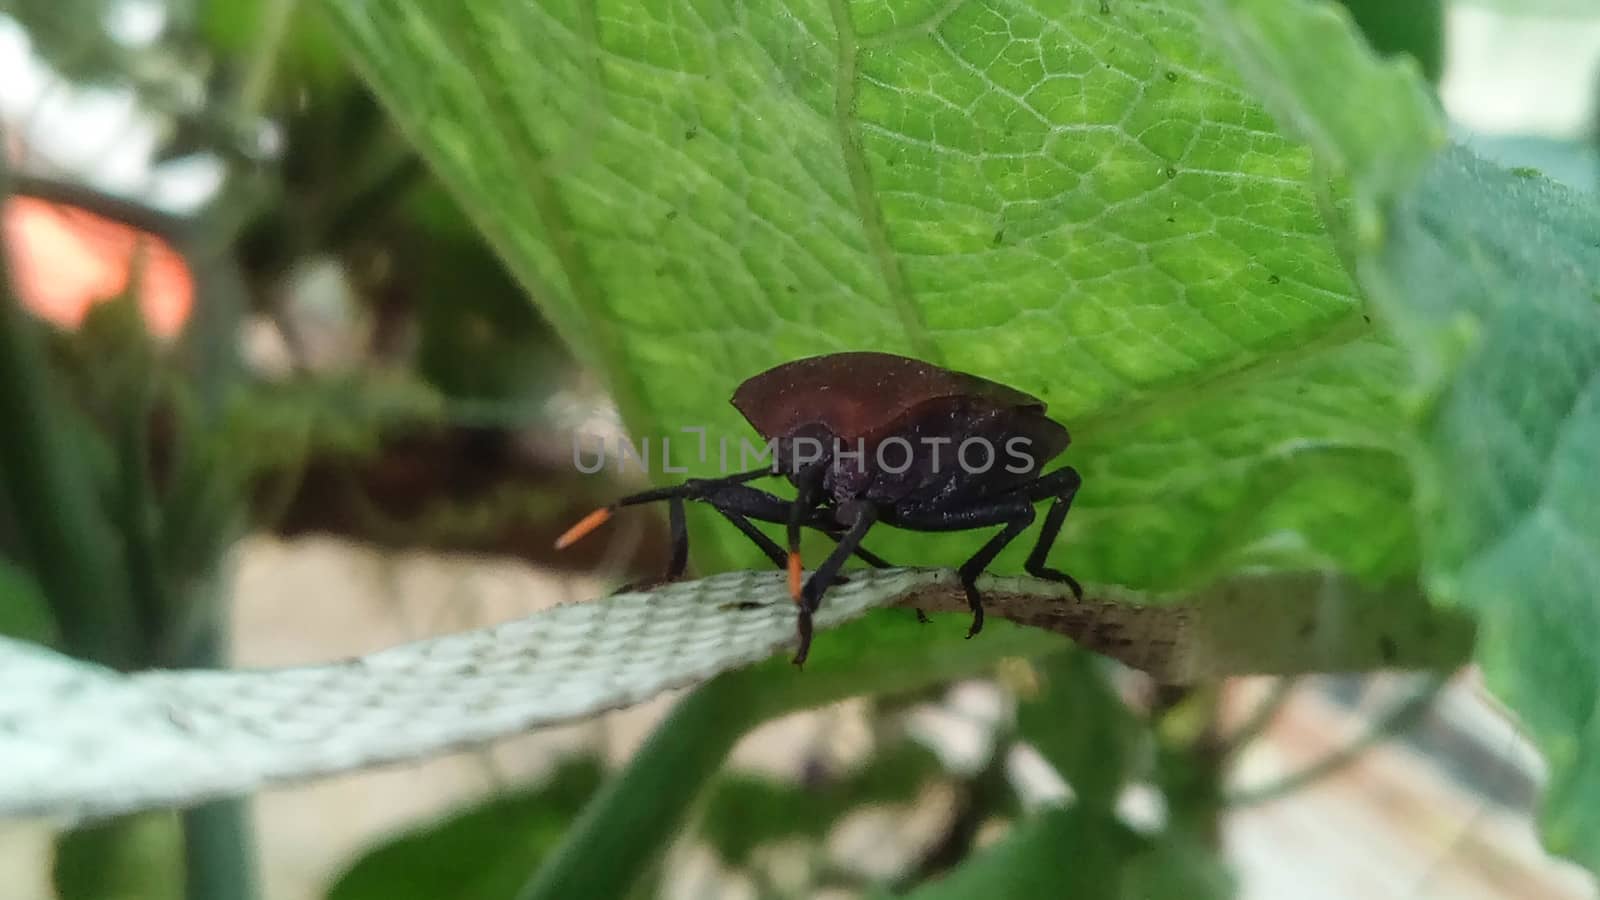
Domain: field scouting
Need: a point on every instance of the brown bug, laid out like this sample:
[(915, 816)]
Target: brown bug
[(873, 437)]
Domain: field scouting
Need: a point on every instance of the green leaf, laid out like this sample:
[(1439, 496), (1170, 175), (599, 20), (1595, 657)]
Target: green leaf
[(745, 811), (1488, 278), (1571, 161), (1082, 853), (1176, 868), (1068, 852), (482, 853), (24, 613), (1415, 27), (1077, 721), (1079, 199), (1507, 335), (305, 54), (130, 858), (1383, 141)]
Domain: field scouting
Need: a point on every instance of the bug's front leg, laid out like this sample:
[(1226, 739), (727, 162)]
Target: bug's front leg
[(864, 515)]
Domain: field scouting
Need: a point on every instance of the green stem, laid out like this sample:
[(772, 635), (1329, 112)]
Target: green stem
[(126, 857), (1261, 717), (211, 338), (1398, 718), (622, 830), (218, 840), (218, 862)]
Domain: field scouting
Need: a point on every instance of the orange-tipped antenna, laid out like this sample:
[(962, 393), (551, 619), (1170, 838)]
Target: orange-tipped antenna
[(794, 575), (585, 525)]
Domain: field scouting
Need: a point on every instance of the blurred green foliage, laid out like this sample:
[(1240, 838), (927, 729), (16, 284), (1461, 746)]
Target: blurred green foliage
[(742, 812), (1082, 727), (482, 852), (1173, 221)]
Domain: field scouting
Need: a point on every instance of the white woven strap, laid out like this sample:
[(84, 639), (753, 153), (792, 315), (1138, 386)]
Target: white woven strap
[(78, 740)]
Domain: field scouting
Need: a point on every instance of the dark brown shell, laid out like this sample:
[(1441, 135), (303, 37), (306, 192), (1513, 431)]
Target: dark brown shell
[(860, 394)]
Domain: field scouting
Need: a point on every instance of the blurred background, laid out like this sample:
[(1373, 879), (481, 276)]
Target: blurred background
[(334, 423)]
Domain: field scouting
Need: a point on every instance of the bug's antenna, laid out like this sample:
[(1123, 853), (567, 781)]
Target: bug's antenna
[(584, 525), (692, 490)]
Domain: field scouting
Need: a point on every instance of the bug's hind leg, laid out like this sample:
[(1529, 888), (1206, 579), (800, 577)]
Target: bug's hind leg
[(1063, 485), (1014, 510)]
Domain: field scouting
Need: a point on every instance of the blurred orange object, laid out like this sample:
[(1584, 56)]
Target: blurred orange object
[(64, 260)]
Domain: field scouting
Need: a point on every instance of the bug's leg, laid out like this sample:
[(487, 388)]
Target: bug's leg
[(873, 560), (972, 568), (808, 495), (1063, 484), (693, 489), (769, 547), (1013, 510), (862, 553), (679, 530), (823, 577), (741, 503)]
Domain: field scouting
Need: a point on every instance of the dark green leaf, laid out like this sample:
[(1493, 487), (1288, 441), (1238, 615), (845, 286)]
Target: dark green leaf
[(1414, 27), (1507, 336), (483, 853), (1064, 853), (134, 858), (305, 56), (23, 611), (1174, 868), (745, 811), (1080, 724)]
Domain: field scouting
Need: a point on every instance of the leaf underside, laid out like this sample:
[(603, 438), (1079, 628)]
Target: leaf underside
[(1086, 205)]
